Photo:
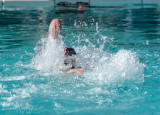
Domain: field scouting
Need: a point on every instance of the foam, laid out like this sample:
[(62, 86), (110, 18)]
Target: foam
[(12, 78), (101, 66), (119, 67), (49, 54)]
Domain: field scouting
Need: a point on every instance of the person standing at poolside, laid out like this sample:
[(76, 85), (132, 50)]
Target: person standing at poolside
[(55, 31)]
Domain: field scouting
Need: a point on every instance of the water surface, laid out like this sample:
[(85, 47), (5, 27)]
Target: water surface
[(118, 46)]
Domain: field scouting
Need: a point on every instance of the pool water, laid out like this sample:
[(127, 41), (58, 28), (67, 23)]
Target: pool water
[(119, 47)]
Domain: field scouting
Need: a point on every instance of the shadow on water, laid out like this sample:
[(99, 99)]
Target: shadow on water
[(19, 23), (19, 27)]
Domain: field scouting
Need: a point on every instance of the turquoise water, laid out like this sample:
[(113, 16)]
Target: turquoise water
[(118, 47)]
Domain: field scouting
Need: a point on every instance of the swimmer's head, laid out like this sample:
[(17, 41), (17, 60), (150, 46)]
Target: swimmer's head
[(69, 51)]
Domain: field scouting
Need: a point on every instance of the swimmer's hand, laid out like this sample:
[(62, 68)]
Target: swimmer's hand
[(77, 71), (55, 28)]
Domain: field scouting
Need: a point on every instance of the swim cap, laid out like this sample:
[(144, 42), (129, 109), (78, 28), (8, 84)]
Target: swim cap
[(70, 51)]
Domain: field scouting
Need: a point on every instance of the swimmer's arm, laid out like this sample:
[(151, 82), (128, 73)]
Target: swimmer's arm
[(77, 70), (55, 28)]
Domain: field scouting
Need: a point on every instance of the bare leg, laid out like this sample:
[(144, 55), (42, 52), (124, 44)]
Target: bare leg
[(55, 28)]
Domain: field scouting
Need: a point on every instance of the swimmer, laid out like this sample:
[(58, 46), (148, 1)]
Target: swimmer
[(54, 31), (55, 28), (69, 54)]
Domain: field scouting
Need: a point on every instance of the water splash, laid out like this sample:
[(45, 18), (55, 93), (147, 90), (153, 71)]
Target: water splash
[(106, 74), (101, 65), (49, 54)]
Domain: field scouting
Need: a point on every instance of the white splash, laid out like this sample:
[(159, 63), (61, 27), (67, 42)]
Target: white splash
[(109, 68), (101, 66), (13, 78), (49, 54)]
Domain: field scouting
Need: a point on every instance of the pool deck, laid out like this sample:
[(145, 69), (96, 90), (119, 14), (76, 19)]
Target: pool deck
[(27, 0), (46, 3)]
